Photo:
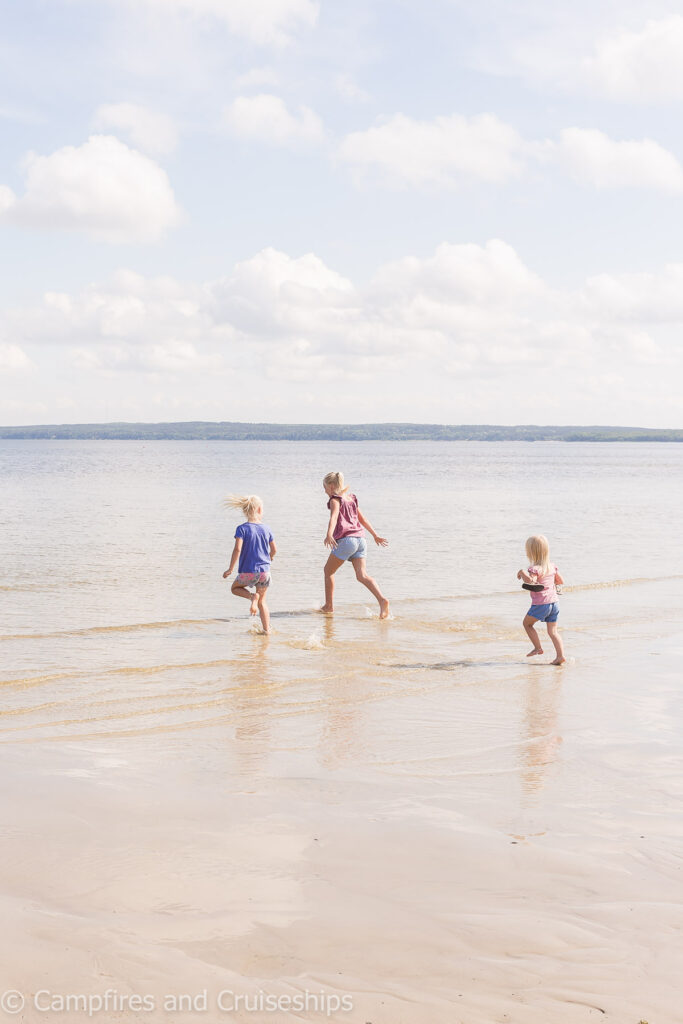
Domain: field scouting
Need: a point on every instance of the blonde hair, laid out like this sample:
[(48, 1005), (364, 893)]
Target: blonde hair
[(336, 482), (249, 504), (538, 552)]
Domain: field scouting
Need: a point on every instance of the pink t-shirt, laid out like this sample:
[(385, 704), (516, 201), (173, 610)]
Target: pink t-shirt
[(549, 594), (347, 524)]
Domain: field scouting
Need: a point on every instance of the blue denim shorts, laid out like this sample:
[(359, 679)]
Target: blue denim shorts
[(349, 548), (545, 612)]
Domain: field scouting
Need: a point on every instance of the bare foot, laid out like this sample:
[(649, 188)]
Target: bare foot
[(536, 650), (326, 609), (253, 610), (384, 609), (558, 661)]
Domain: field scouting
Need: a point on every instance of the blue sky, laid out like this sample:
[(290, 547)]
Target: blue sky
[(309, 211)]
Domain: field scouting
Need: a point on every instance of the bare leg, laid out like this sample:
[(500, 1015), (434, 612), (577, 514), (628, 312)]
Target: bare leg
[(331, 565), (367, 581), (529, 624), (243, 592), (263, 608), (557, 644)]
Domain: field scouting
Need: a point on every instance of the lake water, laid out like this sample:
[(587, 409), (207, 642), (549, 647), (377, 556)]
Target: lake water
[(482, 822)]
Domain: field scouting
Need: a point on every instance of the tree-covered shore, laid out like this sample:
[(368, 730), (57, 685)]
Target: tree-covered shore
[(206, 431)]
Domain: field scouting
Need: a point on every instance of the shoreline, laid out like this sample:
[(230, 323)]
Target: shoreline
[(334, 433)]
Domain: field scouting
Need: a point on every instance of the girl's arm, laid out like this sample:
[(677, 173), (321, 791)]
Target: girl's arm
[(273, 549), (524, 575), (558, 578), (329, 541), (234, 558), (382, 541)]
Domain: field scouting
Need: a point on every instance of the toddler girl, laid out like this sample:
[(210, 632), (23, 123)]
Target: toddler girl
[(346, 540), (544, 606), (255, 548)]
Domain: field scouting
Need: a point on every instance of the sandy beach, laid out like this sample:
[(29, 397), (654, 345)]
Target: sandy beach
[(406, 815)]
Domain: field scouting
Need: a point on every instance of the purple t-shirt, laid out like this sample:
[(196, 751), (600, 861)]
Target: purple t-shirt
[(255, 553), (347, 524)]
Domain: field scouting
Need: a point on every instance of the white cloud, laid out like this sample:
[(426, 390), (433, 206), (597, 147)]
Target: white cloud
[(265, 118), (492, 274), (103, 188), (649, 298), (469, 331), (449, 151), (272, 294), (476, 304), (147, 129), (595, 159), (12, 358), (267, 22), (645, 65), (446, 151), (7, 199)]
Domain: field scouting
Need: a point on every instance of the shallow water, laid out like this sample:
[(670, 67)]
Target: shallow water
[(131, 679)]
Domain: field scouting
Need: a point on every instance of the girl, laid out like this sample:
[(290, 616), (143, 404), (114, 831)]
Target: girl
[(544, 606), (254, 547), (345, 539)]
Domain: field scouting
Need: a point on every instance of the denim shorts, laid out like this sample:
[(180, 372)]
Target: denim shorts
[(252, 579), (349, 548), (545, 612)]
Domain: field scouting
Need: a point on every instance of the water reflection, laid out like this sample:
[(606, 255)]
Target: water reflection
[(541, 741), (251, 698)]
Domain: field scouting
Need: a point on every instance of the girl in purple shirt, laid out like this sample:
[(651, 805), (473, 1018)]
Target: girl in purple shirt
[(346, 540), (252, 554)]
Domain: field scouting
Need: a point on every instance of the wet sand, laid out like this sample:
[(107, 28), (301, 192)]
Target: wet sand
[(409, 813)]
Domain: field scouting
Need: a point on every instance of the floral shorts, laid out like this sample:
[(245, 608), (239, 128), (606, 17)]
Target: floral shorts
[(252, 579)]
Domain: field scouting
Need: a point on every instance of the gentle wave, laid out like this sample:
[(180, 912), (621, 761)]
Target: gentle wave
[(125, 670), (130, 627), (43, 586), (466, 626), (620, 583)]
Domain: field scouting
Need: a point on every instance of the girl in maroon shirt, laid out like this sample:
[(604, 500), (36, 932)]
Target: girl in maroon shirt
[(345, 537)]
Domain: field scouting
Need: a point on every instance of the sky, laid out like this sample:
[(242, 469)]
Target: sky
[(341, 211)]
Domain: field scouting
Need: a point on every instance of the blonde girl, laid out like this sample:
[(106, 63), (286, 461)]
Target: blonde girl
[(544, 577), (345, 538), (255, 549)]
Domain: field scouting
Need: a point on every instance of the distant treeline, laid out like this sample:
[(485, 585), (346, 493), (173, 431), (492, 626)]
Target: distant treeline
[(200, 431)]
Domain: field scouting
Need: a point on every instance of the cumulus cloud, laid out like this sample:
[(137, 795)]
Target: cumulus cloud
[(641, 298), (445, 151), (265, 118), (12, 358), (267, 22), (271, 295), (593, 158), (147, 129), (644, 65), (469, 331), (481, 275), (474, 304), (103, 188), (631, 51), (450, 151), (7, 199)]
